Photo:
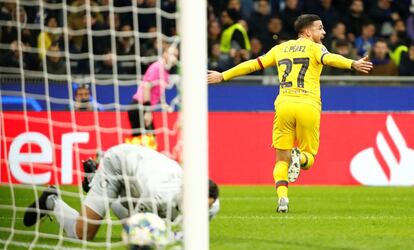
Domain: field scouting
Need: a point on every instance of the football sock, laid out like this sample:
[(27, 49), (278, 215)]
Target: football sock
[(306, 160), (65, 215), (280, 175)]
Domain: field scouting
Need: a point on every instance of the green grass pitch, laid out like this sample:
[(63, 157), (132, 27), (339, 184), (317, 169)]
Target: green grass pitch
[(319, 218)]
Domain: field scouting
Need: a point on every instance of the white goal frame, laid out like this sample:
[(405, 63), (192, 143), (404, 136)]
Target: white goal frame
[(193, 25)]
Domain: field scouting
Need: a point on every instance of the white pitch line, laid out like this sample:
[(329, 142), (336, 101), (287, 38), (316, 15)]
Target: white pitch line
[(44, 246), (292, 216)]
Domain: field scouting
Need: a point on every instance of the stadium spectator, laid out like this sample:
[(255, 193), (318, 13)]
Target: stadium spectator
[(338, 33), (234, 35), (365, 41), (246, 8), (274, 33), (48, 36), (77, 21), (35, 13), (211, 16), (380, 58), (8, 32), (384, 14), (244, 24), (234, 5), (126, 47), (291, 12), (398, 41), (214, 32), (149, 46), (328, 13), (259, 19), (354, 18), (219, 61), (275, 7), (55, 63), (399, 35), (406, 67), (257, 50), (150, 91), (83, 99), (169, 27), (410, 23), (343, 48), (147, 20), (6, 10), (11, 58), (106, 66)]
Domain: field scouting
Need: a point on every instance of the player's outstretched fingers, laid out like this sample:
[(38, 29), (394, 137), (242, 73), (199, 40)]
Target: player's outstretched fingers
[(214, 76)]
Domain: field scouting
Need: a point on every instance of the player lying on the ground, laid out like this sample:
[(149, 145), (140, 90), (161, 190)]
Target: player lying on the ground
[(130, 179)]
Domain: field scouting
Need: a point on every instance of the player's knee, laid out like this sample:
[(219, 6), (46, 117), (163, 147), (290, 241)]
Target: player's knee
[(283, 155), (85, 230)]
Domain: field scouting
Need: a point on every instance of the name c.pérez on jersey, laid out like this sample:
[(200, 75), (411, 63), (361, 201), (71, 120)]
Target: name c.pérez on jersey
[(294, 48)]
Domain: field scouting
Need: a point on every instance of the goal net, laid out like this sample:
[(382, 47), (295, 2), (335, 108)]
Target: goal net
[(78, 77)]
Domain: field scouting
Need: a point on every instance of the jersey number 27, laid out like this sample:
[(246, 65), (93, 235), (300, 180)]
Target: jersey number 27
[(304, 61)]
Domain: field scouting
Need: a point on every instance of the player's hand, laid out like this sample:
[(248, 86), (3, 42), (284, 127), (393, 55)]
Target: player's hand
[(362, 65), (214, 76)]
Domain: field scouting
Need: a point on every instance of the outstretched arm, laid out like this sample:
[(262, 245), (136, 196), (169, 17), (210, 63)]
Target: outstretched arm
[(244, 68), (338, 61), (241, 69)]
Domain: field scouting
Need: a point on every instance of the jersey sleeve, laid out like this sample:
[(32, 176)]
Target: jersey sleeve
[(269, 59), (241, 69), (151, 75), (324, 57), (250, 66)]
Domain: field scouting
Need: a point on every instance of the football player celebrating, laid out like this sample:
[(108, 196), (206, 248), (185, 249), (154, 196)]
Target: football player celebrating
[(298, 106)]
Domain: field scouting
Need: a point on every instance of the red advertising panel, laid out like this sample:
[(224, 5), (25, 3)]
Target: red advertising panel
[(363, 148), (370, 149), (42, 147)]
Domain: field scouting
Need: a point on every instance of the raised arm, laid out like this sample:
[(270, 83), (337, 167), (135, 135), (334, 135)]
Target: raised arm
[(338, 61), (243, 68)]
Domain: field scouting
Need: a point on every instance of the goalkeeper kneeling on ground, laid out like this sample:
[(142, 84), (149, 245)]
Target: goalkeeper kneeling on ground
[(130, 179)]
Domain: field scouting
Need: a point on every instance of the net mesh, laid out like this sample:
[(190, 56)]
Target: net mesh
[(51, 52)]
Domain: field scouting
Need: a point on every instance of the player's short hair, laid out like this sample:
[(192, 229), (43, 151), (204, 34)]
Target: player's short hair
[(304, 21), (213, 190)]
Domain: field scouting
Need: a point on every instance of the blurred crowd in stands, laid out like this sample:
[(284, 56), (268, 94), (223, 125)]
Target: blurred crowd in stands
[(111, 41), (383, 29), (237, 30)]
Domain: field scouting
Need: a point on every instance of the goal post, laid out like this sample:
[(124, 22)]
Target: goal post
[(193, 25), (46, 132)]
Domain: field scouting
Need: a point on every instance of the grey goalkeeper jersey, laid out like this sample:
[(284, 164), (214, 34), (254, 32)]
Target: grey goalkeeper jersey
[(132, 171)]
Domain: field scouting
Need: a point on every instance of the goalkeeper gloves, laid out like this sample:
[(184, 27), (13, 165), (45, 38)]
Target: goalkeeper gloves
[(89, 167)]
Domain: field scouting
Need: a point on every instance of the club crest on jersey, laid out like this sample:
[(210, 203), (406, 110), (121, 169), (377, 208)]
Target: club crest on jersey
[(324, 50)]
